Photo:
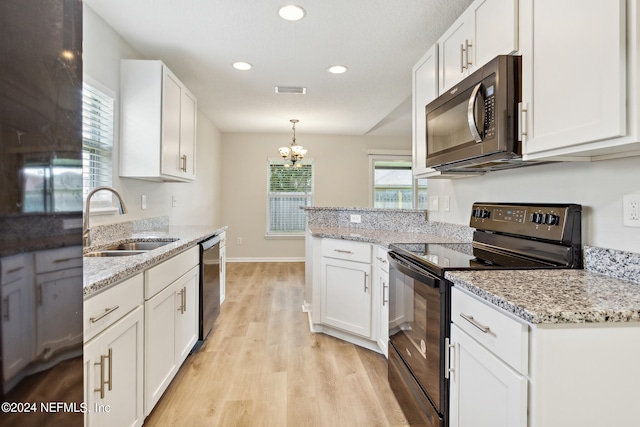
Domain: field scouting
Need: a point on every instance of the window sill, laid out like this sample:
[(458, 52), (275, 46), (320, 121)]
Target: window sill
[(291, 236)]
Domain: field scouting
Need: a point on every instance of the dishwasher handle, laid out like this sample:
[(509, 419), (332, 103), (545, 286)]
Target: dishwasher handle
[(210, 242)]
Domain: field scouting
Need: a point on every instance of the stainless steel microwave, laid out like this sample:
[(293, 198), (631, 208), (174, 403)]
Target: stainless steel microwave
[(474, 125)]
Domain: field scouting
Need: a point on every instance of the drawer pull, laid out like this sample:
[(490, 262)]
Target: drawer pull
[(104, 381), (64, 260), (13, 270), (470, 319), (342, 251), (382, 260), (107, 311)]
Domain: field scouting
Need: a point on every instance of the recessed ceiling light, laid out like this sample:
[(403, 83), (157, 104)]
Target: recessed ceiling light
[(242, 66), (291, 12), (337, 69)]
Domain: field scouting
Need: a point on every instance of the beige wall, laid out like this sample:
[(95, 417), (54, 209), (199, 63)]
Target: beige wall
[(198, 203), (341, 178)]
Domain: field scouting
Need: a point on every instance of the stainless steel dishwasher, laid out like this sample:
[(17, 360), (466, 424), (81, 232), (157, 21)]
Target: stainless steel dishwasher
[(209, 285)]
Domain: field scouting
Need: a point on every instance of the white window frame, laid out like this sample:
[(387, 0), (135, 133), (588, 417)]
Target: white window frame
[(102, 202), (388, 155), (285, 235)]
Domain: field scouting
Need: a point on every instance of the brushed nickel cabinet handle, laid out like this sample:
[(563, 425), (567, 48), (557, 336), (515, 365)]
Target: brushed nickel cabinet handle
[(107, 311), (13, 270), (184, 299), (104, 382), (470, 319), (110, 366), (181, 308), (382, 260), (385, 300), (64, 260), (183, 168), (366, 288), (342, 251), (467, 46), (461, 58)]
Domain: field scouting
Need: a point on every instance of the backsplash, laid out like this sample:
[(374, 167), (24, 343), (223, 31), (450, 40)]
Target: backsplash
[(613, 263), (101, 234), (402, 220)]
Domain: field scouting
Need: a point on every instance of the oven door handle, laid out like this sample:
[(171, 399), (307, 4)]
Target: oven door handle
[(411, 270)]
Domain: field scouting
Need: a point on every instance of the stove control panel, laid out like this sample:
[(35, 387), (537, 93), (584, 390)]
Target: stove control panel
[(555, 222)]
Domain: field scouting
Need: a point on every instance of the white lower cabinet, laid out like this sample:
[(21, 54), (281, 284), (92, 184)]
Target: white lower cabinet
[(171, 330), (346, 296), (113, 356), (485, 392), (381, 299), (223, 267), (488, 366)]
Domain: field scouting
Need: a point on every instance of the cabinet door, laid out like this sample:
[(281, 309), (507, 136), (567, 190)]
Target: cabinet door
[(382, 279), (17, 325), (346, 296), (113, 374), (160, 346), (452, 53), (59, 324), (186, 313), (425, 90), (484, 392), (188, 111), (171, 97), (573, 73), (223, 270), (495, 25)]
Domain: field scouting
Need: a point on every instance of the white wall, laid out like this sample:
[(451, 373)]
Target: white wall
[(197, 202), (341, 169), (598, 186)]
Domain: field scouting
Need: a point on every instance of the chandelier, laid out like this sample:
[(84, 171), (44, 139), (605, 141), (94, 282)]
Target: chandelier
[(296, 152)]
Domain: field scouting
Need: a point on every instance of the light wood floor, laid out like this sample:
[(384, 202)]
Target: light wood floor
[(262, 367)]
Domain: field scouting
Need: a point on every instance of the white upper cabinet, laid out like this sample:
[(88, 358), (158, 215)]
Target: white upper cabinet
[(158, 123), (575, 69), (425, 90), (487, 28)]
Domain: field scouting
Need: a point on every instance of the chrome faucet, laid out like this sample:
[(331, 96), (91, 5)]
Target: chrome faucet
[(86, 231)]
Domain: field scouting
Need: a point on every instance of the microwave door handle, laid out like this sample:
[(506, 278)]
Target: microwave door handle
[(471, 113)]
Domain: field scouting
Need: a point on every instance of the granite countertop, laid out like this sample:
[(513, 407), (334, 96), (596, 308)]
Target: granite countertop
[(380, 237), (102, 272), (554, 296)]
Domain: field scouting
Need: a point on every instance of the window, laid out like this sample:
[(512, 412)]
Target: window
[(97, 141), (392, 183), (289, 188)]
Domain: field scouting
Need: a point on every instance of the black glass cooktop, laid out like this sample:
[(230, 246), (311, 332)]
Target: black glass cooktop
[(439, 257)]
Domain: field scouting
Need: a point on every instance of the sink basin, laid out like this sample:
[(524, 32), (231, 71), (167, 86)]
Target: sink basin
[(131, 248), (121, 252), (139, 246)]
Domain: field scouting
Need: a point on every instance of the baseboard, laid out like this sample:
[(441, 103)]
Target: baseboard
[(241, 259)]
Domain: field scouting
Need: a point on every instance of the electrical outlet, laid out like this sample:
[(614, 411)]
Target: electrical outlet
[(631, 210), (356, 218), (174, 201), (239, 240), (143, 202)]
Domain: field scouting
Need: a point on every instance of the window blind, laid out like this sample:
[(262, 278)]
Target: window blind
[(289, 189), (97, 140)]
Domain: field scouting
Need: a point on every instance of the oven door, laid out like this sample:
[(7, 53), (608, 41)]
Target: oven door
[(418, 307)]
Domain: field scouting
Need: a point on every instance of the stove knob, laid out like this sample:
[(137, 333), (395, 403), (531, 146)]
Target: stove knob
[(537, 218), (552, 219), (484, 213)]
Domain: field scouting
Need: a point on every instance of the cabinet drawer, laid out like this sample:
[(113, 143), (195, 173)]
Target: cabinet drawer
[(505, 337), (381, 261), (58, 259), (14, 267), (162, 275), (343, 249), (104, 309)]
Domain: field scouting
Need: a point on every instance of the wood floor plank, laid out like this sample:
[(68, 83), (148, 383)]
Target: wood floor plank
[(261, 366)]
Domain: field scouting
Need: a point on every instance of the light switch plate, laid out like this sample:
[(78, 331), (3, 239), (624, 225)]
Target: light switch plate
[(433, 203)]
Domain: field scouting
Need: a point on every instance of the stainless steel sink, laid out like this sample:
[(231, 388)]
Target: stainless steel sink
[(113, 253), (130, 248), (139, 246)]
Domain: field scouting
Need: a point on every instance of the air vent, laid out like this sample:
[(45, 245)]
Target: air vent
[(291, 89)]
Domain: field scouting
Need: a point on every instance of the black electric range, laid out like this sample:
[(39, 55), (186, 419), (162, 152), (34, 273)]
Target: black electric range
[(506, 236)]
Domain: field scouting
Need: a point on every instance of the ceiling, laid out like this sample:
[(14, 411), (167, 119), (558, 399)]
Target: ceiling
[(378, 40)]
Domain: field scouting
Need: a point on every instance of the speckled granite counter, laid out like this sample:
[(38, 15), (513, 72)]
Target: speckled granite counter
[(101, 272), (381, 237), (554, 296)]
